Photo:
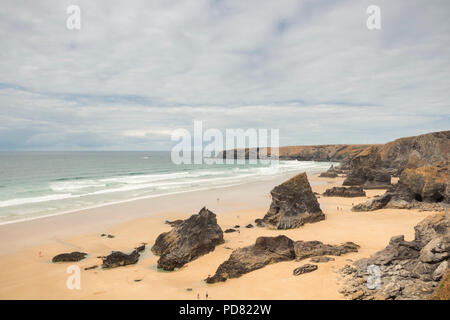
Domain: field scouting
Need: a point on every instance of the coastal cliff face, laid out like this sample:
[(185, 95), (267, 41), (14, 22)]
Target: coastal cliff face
[(416, 151), (423, 165)]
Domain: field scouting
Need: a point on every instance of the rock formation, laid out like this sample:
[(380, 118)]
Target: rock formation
[(345, 192), (306, 268), (69, 257), (330, 173), (308, 249), (367, 171), (425, 188), (293, 204), (404, 269), (119, 259), (188, 240), (266, 250)]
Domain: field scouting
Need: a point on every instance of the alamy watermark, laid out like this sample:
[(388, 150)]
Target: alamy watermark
[(237, 146)]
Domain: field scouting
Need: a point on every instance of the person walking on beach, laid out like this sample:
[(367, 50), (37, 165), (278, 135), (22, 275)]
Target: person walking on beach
[(198, 296), (206, 295)]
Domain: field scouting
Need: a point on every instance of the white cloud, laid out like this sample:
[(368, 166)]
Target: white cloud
[(137, 70)]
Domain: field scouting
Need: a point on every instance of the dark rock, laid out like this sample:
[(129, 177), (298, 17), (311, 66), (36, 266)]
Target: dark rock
[(345, 192), (137, 280), (118, 259), (188, 240), (406, 269), (249, 225), (110, 236), (69, 257), (140, 248), (306, 268), (330, 173), (293, 204), (308, 249), (266, 250), (90, 268), (322, 259), (237, 226), (230, 230)]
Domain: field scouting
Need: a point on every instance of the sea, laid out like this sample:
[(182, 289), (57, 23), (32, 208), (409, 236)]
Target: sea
[(38, 184)]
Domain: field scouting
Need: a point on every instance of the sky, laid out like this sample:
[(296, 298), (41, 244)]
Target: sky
[(137, 70)]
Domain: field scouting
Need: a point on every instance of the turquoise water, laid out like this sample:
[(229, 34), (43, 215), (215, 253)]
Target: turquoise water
[(34, 184)]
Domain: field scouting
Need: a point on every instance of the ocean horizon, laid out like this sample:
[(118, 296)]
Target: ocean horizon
[(35, 184)]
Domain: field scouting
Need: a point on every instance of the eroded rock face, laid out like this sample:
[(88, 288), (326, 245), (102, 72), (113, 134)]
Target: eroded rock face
[(367, 171), (293, 204), (345, 192), (188, 240), (405, 269), (425, 188), (266, 250), (330, 173), (69, 257), (120, 259), (308, 249)]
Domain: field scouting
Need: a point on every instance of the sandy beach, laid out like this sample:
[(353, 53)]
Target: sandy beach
[(26, 248)]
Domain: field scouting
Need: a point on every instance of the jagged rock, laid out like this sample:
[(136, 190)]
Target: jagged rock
[(406, 269), (230, 230), (293, 204), (306, 268), (266, 250), (321, 259), (174, 222), (367, 171), (345, 192), (249, 226), (308, 249), (69, 257), (425, 188), (330, 173), (118, 259), (188, 240)]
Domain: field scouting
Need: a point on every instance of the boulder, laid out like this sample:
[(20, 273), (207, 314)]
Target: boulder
[(345, 192), (188, 240), (119, 259), (293, 204), (266, 250), (69, 257), (306, 268)]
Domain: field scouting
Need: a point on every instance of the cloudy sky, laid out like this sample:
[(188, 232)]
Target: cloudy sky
[(137, 70)]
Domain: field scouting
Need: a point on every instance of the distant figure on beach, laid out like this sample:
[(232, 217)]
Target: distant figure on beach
[(206, 295), (198, 296), (217, 200)]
